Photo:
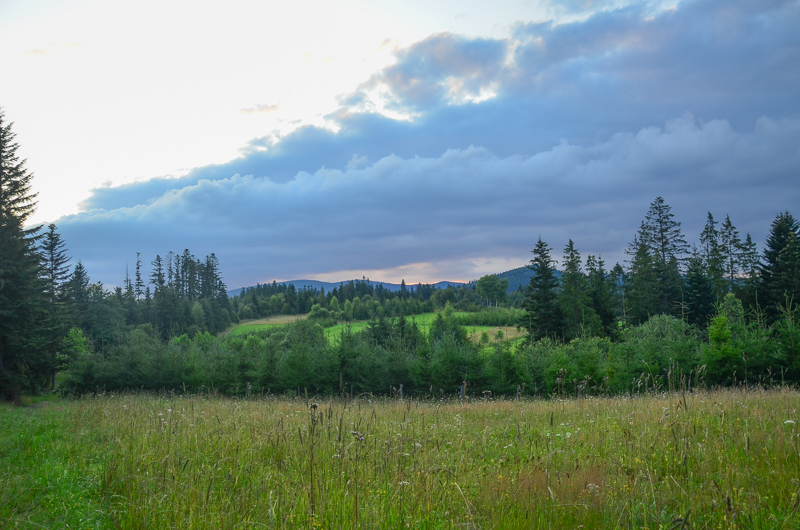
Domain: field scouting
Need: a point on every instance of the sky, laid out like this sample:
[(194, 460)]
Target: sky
[(414, 140)]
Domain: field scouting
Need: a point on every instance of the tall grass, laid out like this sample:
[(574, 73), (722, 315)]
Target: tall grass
[(723, 459)]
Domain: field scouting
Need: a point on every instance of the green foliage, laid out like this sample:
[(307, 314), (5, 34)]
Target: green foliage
[(698, 302), (543, 316), (25, 356), (579, 317), (492, 288), (656, 251), (780, 269)]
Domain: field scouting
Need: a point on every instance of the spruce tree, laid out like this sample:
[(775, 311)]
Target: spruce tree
[(749, 263), (660, 245), (77, 292), (775, 272), (698, 294), (618, 283), (600, 290), (731, 247), (790, 270), (24, 365), (711, 253), (543, 315), (579, 319), (55, 273)]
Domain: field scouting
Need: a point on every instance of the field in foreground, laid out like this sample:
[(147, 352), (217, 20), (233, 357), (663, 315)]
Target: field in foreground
[(726, 459)]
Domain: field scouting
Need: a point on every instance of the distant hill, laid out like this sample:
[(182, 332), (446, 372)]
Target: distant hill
[(329, 286), (516, 277), (520, 276)]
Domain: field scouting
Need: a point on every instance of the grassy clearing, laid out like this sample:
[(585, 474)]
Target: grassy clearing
[(253, 326), (509, 333), (423, 321), (726, 459)]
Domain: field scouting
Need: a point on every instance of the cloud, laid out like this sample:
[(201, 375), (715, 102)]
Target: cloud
[(459, 205), (259, 109), (618, 70), (561, 130), (442, 68)]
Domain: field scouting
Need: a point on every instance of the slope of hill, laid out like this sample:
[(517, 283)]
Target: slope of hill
[(521, 276)]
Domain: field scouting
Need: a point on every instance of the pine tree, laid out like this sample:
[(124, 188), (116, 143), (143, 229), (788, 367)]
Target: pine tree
[(790, 270), (138, 287), (711, 253), (642, 288), (600, 286), (618, 283), (55, 273), (699, 294), (731, 249), (543, 316), (77, 291), (579, 319), (23, 364), (749, 263), (55, 260), (775, 272), (658, 291)]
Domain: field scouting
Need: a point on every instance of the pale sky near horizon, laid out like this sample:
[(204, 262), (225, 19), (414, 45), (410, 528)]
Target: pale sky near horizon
[(411, 139)]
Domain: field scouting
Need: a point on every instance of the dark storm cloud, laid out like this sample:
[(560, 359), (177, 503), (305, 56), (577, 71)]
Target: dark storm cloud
[(588, 122)]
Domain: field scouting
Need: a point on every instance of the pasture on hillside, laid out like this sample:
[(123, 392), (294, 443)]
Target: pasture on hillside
[(423, 321), (254, 326), (704, 459)]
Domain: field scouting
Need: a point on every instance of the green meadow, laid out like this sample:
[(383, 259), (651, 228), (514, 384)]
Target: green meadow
[(718, 459), (254, 326), (423, 321)]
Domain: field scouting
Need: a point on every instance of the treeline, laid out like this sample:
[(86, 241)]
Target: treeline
[(187, 296), (662, 353), (350, 301), (47, 307), (664, 276)]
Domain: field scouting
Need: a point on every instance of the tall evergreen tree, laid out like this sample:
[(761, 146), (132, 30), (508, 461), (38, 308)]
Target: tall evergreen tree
[(55, 273), (543, 315), (23, 364), (579, 319), (55, 263), (138, 287), (747, 287), (711, 253), (790, 269), (77, 291), (642, 288), (658, 290), (731, 247), (618, 283), (699, 295), (600, 288), (775, 273)]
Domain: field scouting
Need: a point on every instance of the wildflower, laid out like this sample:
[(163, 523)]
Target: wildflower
[(789, 422)]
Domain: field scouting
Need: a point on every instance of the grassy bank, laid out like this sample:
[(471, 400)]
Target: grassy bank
[(726, 459)]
